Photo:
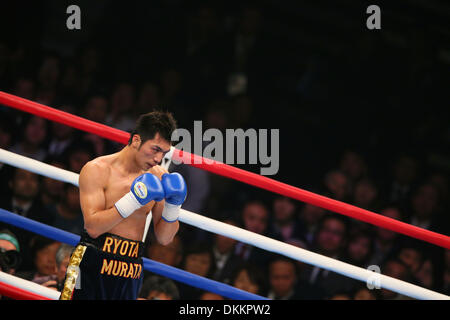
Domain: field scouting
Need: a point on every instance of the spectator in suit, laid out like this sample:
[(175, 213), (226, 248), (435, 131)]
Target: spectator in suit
[(224, 258), (67, 214), (23, 200), (78, 154), (354, 166), (170, 254), (255, 217), (386, 242), (396, 269), (34, 134), (424, 208), (405, 172), (61, 135), (7, 133), (309, 217), (330, 241), (285, 225), (359, 248), (52, 190), (337, 185), (285, 284)]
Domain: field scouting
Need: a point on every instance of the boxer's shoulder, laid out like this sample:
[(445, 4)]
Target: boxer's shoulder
[(98, 168)]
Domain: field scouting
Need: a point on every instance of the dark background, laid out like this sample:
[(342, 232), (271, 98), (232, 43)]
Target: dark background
[(313, 70)]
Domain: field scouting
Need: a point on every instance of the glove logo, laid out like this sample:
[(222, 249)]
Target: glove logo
[(140, 190)]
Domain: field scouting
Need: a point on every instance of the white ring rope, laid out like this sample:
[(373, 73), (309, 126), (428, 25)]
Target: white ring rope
[(29, 286), (248, 237)]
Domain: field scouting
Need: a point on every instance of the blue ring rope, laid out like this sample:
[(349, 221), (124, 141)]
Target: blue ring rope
[(149, 265)]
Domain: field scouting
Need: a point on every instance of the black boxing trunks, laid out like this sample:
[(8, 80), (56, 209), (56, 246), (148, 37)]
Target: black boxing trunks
[(106, 268)]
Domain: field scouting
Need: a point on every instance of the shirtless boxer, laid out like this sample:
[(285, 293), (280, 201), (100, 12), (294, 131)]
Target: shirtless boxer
[(117, 192)]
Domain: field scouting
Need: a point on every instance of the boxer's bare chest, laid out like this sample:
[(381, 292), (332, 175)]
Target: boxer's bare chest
[(118, 184)]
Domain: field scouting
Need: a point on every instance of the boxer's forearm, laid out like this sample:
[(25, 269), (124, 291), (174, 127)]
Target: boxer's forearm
[(165, 231), (101, 221)]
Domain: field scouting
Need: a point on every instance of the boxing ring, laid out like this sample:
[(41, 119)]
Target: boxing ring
[(22, 289)]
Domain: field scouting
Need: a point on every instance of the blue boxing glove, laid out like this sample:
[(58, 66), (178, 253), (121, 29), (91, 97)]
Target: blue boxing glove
[(145, 188), (175, 193)]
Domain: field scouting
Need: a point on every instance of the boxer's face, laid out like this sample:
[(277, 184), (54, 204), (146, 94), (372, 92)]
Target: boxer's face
[(151, 152)]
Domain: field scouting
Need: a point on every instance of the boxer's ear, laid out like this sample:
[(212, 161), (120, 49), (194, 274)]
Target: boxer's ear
[(136, 141)]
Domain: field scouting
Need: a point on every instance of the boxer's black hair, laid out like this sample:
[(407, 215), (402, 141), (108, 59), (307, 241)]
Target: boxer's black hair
[(149, 124)]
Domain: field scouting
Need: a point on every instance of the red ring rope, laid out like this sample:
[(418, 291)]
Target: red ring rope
[(19, 294), (232, 172)]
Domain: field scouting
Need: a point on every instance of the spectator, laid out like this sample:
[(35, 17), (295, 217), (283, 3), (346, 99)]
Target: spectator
[(7, 133), (225, 259), (198, 182), (62, 135), (284, 282), (96, 108), (67, 214), (440, 181), (405, 172), (159, 288), (210, 296), (148, 97), (23, 200), (249, 278), (330, 241), (43, 255), (337, 185), (10, 257), (340, 296), (286, 225), (446, 280), (122, 104), (426, 276), (310, 216), (364, 293), (282, 279), (170, 255), (25, 88), (411, 254), (78, 154), (255, 216), (49, 72), (365, 194), (396, 269), (7, 130), (353, 165), (52, 190), (359, 248), (31, 144), (198, 259), (424, 205), (386, 241), (62, 262)]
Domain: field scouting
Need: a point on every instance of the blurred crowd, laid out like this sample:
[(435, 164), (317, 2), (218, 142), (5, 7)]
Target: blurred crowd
[(351, 114)]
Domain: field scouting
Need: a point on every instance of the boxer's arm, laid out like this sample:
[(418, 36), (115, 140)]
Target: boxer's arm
[(164, 231), (97, 220)]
